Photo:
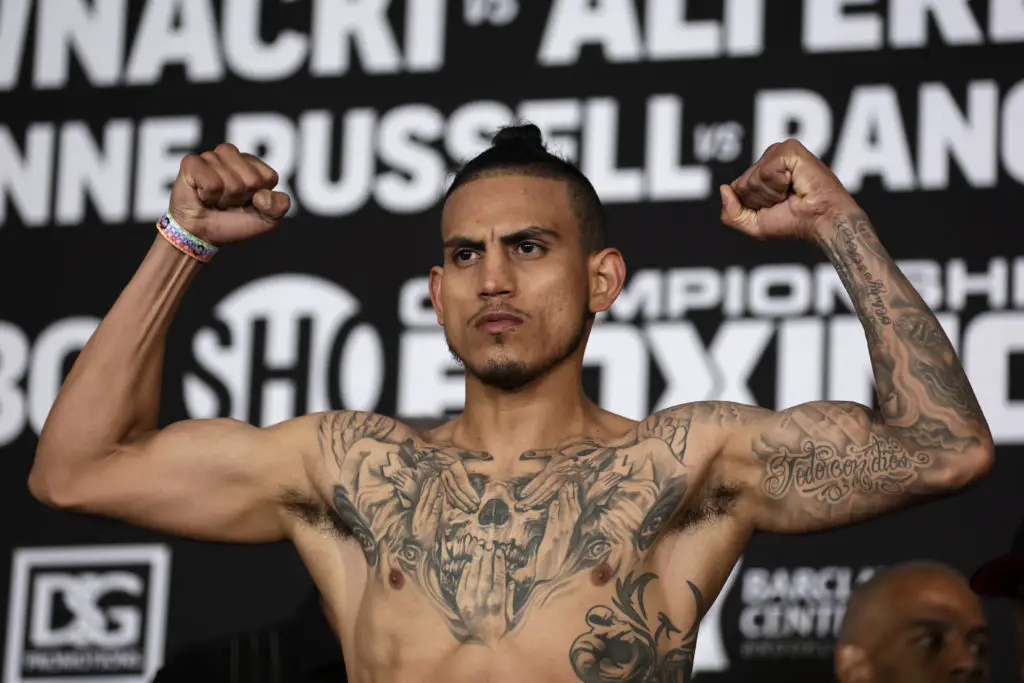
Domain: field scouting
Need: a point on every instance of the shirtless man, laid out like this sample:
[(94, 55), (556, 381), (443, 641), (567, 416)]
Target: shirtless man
[(535, 537)]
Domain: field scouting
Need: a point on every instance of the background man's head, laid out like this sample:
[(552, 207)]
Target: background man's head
[(1003, 577), (917, 622), (525, 264)]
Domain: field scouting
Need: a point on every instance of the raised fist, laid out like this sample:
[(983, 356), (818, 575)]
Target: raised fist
[(789, 192), (226, 196)]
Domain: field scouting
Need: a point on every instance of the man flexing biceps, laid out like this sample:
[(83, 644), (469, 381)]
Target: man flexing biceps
[(536, 536)]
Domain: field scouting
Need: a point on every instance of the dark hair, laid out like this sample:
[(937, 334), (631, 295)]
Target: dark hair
[(520, 149)]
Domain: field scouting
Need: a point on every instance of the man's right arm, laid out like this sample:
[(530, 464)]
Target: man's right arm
[(101, 452)]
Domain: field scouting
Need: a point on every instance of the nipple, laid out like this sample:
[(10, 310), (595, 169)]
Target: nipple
[(396, 579), (601, 574)]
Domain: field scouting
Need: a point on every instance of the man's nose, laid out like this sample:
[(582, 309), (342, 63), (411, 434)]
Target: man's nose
[(497, 276)]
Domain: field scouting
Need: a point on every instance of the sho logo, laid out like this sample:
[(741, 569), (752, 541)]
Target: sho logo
[(284, 346), (89, 613)]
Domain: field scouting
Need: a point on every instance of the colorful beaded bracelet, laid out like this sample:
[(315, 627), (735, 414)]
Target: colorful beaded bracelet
[(184, 241)]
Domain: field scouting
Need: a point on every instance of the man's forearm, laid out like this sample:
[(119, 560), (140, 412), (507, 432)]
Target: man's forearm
[(113, 390), (924, 394)]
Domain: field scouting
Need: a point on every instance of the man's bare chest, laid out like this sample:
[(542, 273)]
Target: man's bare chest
[(488, 541)]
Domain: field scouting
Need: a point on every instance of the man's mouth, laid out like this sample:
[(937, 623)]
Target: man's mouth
[(496, 322)]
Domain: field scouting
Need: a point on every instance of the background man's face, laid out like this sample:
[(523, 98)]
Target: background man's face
[(931, 628)]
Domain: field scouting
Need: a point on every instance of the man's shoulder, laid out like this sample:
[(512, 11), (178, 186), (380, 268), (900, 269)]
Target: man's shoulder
[(724, 414), (340, 430)]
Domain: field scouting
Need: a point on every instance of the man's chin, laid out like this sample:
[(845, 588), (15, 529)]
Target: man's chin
[(506, 374)]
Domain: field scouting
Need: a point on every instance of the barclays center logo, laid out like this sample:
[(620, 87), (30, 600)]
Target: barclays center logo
[(282, 346)]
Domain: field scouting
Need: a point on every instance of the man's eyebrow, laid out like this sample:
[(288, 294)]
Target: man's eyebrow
[(532, 232)]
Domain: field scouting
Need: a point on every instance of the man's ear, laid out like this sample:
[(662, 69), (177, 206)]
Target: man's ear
[(607, 276), (436, 276), (852, 664)]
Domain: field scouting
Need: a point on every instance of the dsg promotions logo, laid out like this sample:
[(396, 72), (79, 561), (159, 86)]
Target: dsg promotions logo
[(89, 613), (282, 346)]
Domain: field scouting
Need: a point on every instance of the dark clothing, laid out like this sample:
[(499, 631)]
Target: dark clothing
[(301, 649)]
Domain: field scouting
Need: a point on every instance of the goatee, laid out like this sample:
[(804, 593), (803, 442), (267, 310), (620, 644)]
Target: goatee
[(510, 375)]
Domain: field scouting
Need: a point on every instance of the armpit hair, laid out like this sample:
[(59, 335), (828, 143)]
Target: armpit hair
[(313, 513), (712, 502)]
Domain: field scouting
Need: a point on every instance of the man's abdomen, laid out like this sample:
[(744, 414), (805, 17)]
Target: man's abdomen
[(615, 631)]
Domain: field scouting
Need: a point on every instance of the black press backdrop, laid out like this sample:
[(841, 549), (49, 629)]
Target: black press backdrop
[(364, 106)]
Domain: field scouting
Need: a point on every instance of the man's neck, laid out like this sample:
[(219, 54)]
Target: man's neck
[(539, 415)]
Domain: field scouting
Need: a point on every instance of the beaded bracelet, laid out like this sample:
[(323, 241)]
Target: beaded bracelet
[(184, 241)]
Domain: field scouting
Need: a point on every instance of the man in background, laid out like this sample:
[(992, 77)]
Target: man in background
[(916, 622), (1003, 577)]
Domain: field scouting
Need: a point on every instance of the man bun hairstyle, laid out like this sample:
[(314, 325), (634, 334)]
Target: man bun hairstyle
[(520, 149)]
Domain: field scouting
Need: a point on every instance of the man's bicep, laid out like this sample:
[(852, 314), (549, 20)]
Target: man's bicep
[(214, 479), (823, 464)]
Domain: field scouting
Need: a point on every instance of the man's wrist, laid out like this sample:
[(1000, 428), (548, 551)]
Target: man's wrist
[(844, 216)]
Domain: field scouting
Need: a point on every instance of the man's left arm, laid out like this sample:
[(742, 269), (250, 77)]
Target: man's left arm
[(825, 463)]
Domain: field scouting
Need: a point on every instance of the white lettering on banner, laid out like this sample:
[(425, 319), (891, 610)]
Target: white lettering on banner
[(93, 30), (407, 139), (284, 345), (93, 172), (794, 610), (15, 18), (39, 367), (1006, 20), (791, 113), (667, 35), (871, 137), (26, 178), (336, 163), (189, 33), (249, 56), (819, 349), (861, 25), (175, 32)]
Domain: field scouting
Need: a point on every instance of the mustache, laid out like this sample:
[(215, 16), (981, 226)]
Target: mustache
[(491, 310)]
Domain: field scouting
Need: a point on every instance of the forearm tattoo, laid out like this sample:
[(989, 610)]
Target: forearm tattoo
[(624, 643), (917, 372), (487, 549), (841, 461)]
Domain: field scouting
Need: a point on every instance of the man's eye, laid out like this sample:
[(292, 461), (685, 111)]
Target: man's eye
[(932, 642), (462, 255), (531, 248)]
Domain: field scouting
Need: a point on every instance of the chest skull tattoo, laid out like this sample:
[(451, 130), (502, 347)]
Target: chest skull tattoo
[(486, 549)]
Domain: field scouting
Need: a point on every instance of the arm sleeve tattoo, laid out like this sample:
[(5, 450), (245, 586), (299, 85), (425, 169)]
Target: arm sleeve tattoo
[(830, 463)]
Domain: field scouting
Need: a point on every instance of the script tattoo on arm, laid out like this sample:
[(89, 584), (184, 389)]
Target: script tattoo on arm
[(831, 463), (622, 643), (486, 550)]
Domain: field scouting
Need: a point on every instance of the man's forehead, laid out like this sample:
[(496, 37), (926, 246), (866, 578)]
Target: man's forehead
[(937, 598), (509, 202)]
